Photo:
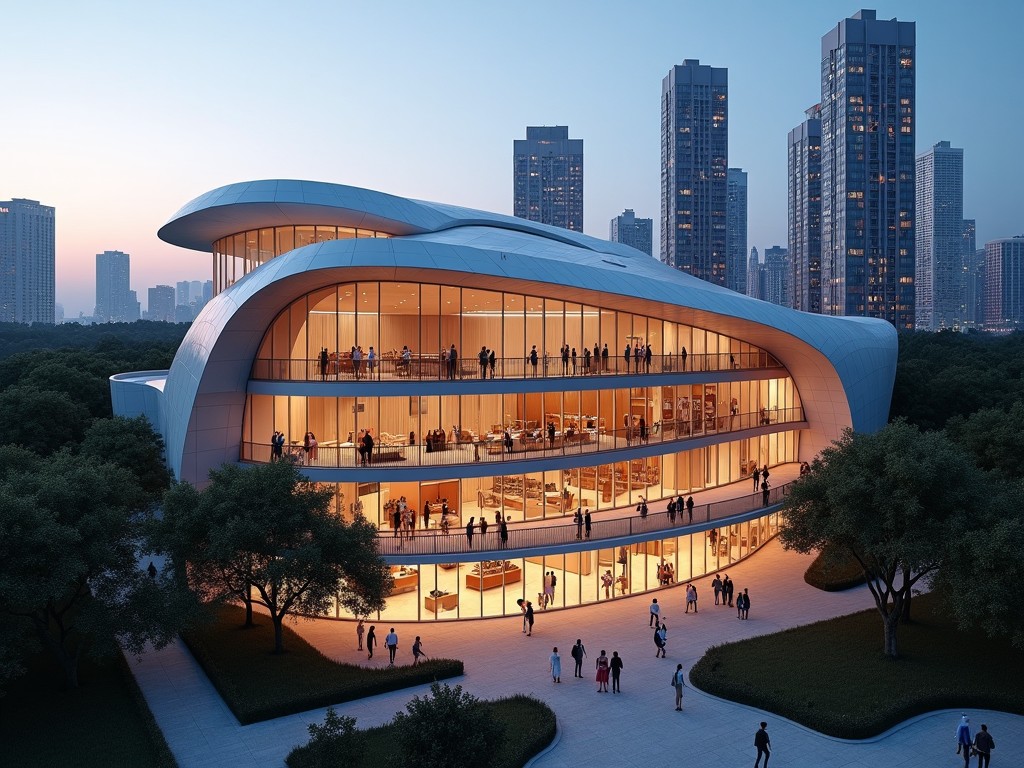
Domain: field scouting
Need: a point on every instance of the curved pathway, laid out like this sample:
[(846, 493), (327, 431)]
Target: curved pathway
[(636, 728)]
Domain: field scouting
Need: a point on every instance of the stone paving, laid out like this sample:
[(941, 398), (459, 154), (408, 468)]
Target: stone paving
[(638, 727)]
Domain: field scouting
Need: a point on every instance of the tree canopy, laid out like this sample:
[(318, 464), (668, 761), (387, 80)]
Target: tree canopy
[(894, 501), (267, 534)]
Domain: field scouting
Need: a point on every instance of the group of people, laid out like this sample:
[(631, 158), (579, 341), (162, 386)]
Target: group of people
[(641, 355), (666, 574), (982, 744), (676, 507), (609, 668), (583, 522), (761, 481), (390, 642), (547, 597)]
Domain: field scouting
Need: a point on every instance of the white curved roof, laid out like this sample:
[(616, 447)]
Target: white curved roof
[(843, 367)]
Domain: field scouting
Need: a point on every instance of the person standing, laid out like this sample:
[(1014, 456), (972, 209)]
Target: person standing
[(764, 493), (578, 652), (655, 613), (745, 608), (391, 643), (616, 667), (556, 666), (716, 585), (533, 360), (763, 744), (529, 618), (483, 530), (626, 355), (682, 355), (503, 533), (578, 519), (586, 523), (606, 581), (756, 474), (691, 598), (469, 531), (689, 507), (663, 634), (371, 640), (727, 588), (491, 360), (426, 515), (604, 358), (963, 739), (677, 682), (554, 583), (983, 745), (602, 673), (359, 634)]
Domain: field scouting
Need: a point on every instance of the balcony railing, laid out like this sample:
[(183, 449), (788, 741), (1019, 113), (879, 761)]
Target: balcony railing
[(525, 445), (432, 368), (527, 536)]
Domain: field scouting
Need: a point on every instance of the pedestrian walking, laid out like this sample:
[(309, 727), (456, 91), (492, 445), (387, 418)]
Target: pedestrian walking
[(983, 745), (963, 739), (371, 640), (616, 667), (659, 642), (417, 651), (663, 634), (359, 634), (602, 673), (578, 652), (655, 613), (391, 643), (556, 666), (677, 682), (763, 744)]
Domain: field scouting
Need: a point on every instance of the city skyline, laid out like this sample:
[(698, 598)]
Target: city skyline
[(115, 182)]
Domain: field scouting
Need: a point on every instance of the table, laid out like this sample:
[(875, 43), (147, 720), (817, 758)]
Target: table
[(442, 603), (489, 580), (407, 583)]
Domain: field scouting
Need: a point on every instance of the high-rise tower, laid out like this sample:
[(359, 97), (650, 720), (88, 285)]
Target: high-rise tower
[(694, 163), (736, 230), (939, 278), (114, 303), (627, 229), (27, 262), (867, 169), (804, 279), (548, 177)]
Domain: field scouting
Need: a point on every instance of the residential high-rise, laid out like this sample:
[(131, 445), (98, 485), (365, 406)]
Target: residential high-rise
[(1004, 284), (627, 229), (27, 262), (974, 277), (161, 304), (939, 279), (755, 276), (804, 279), (548, 177), (736, 230), (694, 162), (182, 296), (867, 169), (776, 273), (114, 303)]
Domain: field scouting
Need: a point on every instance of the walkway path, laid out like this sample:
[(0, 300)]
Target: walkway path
[(637, 728)]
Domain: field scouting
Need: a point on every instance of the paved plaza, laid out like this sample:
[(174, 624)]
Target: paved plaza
[(638, 727)]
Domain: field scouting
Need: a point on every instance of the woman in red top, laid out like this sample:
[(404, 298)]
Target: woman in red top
[(602, 673)]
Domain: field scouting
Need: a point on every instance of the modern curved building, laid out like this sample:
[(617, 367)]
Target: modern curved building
[(585, 375)]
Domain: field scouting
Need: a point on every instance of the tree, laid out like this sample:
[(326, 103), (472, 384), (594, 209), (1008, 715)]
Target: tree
[(336, 742), (894, 501), (266, 528), (994, 437), (69, 533), (41, 421), (132, 444), (479, 734)]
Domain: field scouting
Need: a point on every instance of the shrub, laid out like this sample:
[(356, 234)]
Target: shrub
[(834, 574)]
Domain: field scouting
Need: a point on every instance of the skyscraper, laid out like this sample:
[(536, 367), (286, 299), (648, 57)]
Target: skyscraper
[(974, 277), (161, 304), (755, 276), (1004, 284), (548, 177), (804, 225), (867, 169), (627, 229), (27, 256), (736, 230), (694, 162), (114, 303), (776, 272), (939, 277)]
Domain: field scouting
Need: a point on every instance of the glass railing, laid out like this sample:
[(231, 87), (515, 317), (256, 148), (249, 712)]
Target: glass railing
[(526, 536), (515, 445), (433, 368)]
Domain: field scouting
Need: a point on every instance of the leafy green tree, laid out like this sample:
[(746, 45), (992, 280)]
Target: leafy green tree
[(69, 533), (42, 421), (994, 437), (88, 389), (894, 501), (267, 530), (132, 444), (336, 742), (478, 733)]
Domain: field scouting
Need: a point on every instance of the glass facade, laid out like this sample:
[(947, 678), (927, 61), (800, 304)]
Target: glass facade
[(237, 255)]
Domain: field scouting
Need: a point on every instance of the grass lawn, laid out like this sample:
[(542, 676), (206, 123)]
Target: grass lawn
[(259, 685), (529, 727), (832, 676), (104, 723)]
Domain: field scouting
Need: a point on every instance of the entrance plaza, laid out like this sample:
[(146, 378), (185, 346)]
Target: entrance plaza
[(637, 728)]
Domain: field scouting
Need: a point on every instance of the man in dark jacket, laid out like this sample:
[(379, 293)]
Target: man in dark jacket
[(763, 744), (577, 653)]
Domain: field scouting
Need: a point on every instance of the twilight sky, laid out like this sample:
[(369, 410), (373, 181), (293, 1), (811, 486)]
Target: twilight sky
[(118, 113)]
